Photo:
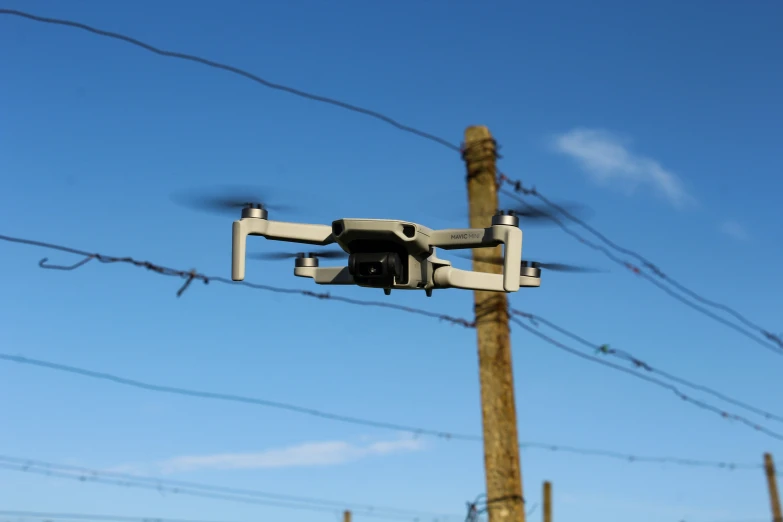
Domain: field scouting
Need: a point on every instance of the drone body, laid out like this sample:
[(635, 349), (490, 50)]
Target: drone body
[(391, 254)]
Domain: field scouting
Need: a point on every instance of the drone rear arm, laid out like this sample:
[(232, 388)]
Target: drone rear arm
[(450, 277), (510, 236), (327, 275), (277, 230)]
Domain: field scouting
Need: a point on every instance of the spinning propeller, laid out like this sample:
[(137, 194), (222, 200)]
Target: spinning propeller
[(555, 267), (531, 215), (229, 199), (278, 256)]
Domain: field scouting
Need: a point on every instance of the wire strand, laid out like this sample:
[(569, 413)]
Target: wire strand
[(413, 430), (48, 516), (192, 275), (235, 70), (237, 398), (768, 339), (696, 402), (638, 363), (636, 270), (84, 474)]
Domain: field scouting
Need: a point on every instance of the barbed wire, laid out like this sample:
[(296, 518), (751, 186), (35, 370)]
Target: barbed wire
[(639, 272), (768, 340), (235, 70), (47, 517), (696, 402), (192, 275), (507, 312), (231, 494), (417, 431), (640, 364), (413, 430), (504, 179)]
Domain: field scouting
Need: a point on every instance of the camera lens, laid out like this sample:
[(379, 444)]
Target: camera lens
[(370, 269)]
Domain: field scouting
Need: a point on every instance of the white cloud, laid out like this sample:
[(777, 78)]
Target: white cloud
[(734, 230), (607, 158), (327, 453)]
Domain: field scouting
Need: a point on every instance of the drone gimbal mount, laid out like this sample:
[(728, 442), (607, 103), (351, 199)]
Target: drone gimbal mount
[(392, 254)]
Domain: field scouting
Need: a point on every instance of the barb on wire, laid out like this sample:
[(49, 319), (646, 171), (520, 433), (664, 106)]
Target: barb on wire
[(43, 263), (188, 275), (192, 275), (413, 430), (473, 514), (767, 337), (639, 364), (235, 70), (204, 490), (696, 402)]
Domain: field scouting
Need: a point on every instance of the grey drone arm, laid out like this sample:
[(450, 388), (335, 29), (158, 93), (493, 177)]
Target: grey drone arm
[(450, 277), (510, 236), (327, 275), (277, 230)]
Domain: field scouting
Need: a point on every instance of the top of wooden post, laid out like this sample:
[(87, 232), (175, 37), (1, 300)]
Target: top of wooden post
[(476, 133)]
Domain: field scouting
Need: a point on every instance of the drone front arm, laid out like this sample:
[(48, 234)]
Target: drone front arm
[(510, 236), (276, 230)]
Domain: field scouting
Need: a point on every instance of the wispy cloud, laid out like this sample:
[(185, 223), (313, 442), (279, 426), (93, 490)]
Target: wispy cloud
[(607, 158), (326, 453), (734, 230)]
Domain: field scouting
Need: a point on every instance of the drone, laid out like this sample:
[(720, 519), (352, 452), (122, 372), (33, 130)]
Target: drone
[(389, 254)]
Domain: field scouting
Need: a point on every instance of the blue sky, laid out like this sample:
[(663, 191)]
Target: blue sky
[(663, 117)]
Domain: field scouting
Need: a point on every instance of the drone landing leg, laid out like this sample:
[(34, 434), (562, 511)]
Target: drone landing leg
[(275, 230), (238, 250)]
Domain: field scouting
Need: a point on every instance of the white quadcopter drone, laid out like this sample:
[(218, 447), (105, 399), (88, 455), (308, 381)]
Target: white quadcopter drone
[(391, 254), (385, 253)]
